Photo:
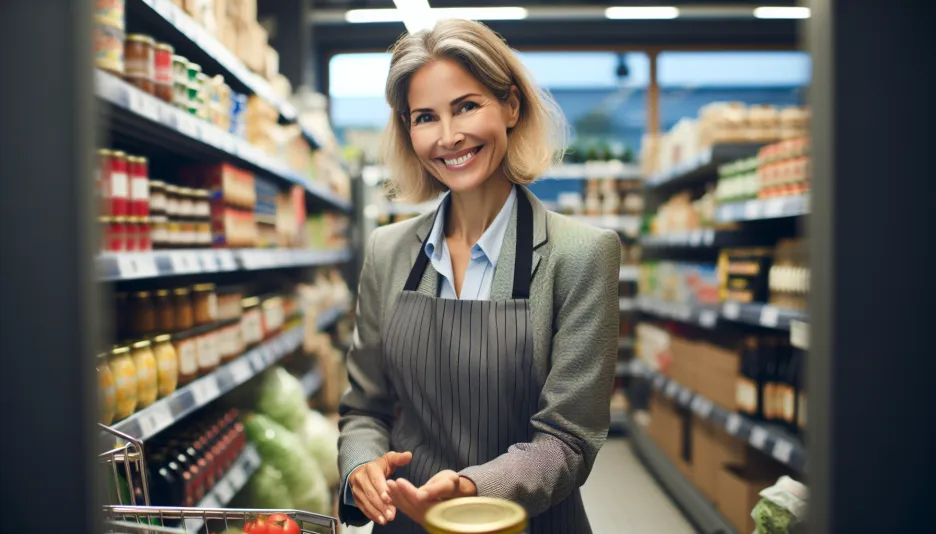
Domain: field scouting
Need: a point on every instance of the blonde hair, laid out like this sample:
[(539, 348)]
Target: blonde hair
[(537, 141)]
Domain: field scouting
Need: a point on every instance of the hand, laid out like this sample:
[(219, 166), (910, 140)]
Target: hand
[(369, 486), (415, 502)]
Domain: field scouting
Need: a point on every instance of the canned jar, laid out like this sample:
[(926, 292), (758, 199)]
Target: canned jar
[(203, 233), (108, 46), (202, 208), (142, 314), (476, 515), (251, 321), (110, 12), (163, 54), (159, 232), (118, 184), (117, 234), (107, 391), (184, 345), (140, 62), (229, 302), (207, 352), (157, 197), (172, 200), (167, 365), (131, 238), (125, 379), (204, 304), (183, 308), (145, 362), (186, 203), (165, 311), (138, 168)]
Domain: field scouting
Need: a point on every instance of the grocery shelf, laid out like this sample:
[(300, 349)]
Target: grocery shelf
[(690, 500), (628, 273), (146, 117), (704, 316), (158, 416), (625, 304), (628, 224), (775, 442), (625, 343), (799, 334), (311, 382), (614, 170), (760, 314), (229, 485), (116, 266), (189, 34), (758, 209), (704, 165), (702, 237)]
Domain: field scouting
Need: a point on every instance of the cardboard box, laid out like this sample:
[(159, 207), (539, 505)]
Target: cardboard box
[(225, 183), (737, 491), (706, 458), (685, 367), (669, 428), (716, 374)]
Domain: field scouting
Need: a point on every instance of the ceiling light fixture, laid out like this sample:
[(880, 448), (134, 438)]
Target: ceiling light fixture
[(642, 12), (417, 18), (779, 12)]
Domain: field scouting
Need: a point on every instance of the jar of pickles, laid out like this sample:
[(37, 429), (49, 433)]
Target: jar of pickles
[(184, 316), (145, 362), (125, 379), (167, 365), (205, 303), (107, 391)]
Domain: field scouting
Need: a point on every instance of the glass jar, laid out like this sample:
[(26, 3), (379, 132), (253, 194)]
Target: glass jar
[(165, 311), (174, 233), (273, 316), (159, 231), (471, 514), (142, 314), (107, 391), (172, 201), (145, 362), (186, 203), (163, 71), (206, 348), (187, 352), (167, 365), (203, 232), (205, 303), (125, 378), (229, 302), (140, 62), (157, 197), (202, 204), (184, 317), (228, 344), (251, 321)]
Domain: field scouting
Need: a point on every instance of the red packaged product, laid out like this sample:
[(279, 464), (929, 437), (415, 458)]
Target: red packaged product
[(117, 234), (131, 234), (139, 185), (118, 184), (144, 229)]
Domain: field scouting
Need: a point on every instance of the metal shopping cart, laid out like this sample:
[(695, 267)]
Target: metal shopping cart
[(133, 513)]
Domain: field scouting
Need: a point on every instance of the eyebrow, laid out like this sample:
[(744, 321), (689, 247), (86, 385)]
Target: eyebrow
[(452, 103)]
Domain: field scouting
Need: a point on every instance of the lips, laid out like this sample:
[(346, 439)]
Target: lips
[(461, 159)]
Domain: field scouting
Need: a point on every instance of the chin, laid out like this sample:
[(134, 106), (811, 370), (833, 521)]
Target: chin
[(461, 182)]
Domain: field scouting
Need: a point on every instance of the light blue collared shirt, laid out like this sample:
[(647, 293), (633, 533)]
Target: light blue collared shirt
[(484, 254), (480, 273)]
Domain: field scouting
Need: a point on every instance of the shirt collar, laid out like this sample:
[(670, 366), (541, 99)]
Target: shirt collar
[(489, 245)]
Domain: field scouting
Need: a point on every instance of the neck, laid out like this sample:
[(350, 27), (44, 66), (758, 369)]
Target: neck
[(472, 212)]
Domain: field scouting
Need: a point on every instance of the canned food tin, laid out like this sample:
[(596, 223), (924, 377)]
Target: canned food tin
[(476, 515), (163, 71), (139, 185), (111, 12), (140, 58), (108, 47), (118, 184)]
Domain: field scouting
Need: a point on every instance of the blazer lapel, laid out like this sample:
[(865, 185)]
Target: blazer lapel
[(429, 285), (502, 286)]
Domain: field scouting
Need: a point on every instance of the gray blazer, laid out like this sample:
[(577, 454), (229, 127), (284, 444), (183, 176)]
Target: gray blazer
[(574, 313)]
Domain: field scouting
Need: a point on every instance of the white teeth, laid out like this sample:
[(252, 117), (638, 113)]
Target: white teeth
[(459, 161)]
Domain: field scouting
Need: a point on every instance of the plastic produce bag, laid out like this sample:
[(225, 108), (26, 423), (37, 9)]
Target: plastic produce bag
[(281, 449), (281, 397), (319, 436), (782, 507)]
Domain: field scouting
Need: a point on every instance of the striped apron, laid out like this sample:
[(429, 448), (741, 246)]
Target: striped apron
[(463, 373)]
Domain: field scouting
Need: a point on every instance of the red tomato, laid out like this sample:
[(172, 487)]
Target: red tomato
[(258, 526), (282, 524)]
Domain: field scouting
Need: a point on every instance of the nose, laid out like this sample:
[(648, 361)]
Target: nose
[(449, 138)]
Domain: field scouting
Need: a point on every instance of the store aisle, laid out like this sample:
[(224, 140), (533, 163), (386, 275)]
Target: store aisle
[(621, 496)]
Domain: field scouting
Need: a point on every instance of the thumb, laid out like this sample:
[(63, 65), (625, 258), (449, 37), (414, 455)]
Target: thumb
[(398, 459)]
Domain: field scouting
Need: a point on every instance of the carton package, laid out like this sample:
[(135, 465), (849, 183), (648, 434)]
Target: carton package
[(251, 45), (230, 185), (232, 227), (737, 493), (669, 429), (717, 374)]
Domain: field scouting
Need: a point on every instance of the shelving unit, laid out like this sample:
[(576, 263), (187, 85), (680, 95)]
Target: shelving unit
[(695, 238), (702, 166), (627, 224), (761, 314), (704, 316), (311, 382), (758, 209), (628, 273), (228, 486)]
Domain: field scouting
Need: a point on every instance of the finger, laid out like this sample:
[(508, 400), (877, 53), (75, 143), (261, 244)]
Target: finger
[(410, 492), (364, 484), (364, 505), (379, 481), (399, 499), (398, 459), (441, 486)]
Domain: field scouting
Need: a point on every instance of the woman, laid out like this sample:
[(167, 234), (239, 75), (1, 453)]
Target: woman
[(483, 356)]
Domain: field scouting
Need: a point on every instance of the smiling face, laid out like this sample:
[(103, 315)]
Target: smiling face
[(457, 126)]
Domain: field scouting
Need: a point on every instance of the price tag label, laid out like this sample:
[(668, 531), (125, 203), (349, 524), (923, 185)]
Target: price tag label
[(240, 371), (752, 210), (707, 318), (782, 451), (733, 425), (205, 390), (223, 491), (180, 263), (683, 312), (708, 236), (187, 125), (758, 438), (154, 419), (769, 317), (799, 334), (211, 501), (731, 310), (209, 262), (226, 260), (163, 7), (237, 477), (703, 407), (248, 259), (685, 396), (671, 389), (659, 381), (774, 207)]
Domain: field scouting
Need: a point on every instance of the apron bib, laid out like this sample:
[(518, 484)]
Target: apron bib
[(463, 372)]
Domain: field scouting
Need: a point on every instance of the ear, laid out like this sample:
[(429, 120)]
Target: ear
[(513, 106)]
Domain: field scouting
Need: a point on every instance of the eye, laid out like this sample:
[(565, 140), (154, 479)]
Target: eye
[(422, 117), (467, 106)]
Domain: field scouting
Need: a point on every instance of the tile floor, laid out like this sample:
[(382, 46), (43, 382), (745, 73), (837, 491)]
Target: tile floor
[(621, 497)]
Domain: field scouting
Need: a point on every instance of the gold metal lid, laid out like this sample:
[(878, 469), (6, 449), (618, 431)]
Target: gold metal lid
[(120, 350), (179, 59), (203, 287), (250, 302), (104, 219), (476, 515), (194, 66), (166, 47), (156, 184), (181, 291), (142, 294), (172, 188), (201, 193), (141, 38), (141, 344), (162, 292), (119, 154), (162, 338), (105, 152)]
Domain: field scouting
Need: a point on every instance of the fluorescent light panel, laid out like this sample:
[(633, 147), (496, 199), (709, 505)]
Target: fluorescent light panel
[(780, 12), (642, 12), (363, 16)]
